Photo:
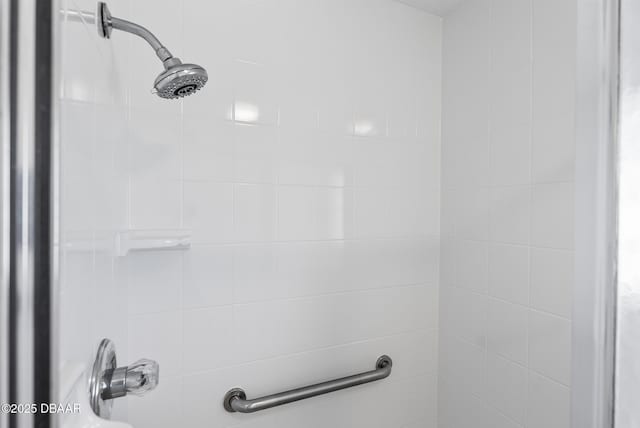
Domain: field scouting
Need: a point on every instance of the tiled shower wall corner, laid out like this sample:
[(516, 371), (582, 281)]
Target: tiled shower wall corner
[(308, 170), (507, 214)]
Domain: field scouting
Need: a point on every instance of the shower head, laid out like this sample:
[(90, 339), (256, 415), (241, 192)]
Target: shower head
[(180, 80), (177, 80)]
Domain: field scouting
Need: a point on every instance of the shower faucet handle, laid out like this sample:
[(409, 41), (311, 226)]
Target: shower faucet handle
[(137, 379), (142, 376)]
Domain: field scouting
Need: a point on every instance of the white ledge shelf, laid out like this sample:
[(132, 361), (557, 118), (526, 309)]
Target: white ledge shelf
[(152, 240)]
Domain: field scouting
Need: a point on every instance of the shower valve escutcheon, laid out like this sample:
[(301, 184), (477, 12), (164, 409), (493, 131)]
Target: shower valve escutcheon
[(138, 379), (108, 381)]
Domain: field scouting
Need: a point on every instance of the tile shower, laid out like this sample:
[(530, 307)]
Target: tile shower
[(358, 178)]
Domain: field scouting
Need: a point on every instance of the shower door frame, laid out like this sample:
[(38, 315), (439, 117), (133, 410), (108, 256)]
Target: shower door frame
[(596, 209), (28, 216)]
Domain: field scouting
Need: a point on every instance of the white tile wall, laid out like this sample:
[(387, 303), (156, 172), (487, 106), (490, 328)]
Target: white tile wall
[(308, 170), (507, 214), (311, 173)]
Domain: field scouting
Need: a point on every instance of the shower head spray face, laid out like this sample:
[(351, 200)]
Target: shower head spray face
[(180, 80)]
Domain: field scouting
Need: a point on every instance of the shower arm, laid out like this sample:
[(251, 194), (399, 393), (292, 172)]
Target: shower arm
[(106, 23)]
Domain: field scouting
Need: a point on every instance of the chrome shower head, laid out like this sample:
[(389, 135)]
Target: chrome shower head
[(178, 80)]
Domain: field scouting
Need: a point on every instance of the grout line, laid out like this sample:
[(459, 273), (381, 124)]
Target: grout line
[(289, 299), (424, 238), (499, 299), (472, 186), (401, 186), (311, 351), (510, 244), (531, 151)]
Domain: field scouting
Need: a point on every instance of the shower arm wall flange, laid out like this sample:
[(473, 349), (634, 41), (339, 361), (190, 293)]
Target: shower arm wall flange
[(106, 23)]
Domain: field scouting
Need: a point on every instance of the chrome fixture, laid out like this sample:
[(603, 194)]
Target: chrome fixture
[(236, 399), (108, 381), (177, 80)]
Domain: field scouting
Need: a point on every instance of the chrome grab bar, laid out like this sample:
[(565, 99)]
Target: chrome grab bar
[(236, 399)]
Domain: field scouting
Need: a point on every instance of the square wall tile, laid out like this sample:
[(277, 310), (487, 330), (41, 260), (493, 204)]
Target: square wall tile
[(334, 213), (472, 266), (256, 100), (255, 154), (554, 145), (507, 387), (464, 315), (208, 211), (255, 212), (509, 214), (154, 281), (336, 110), (314, 213), (507, 330), (208, 148), (298, 111), (155, 144), (426, 307), (396, 212), (509, 273), (552, 215), (296, 213), (472, 219), (313, 268), (401, 114), (465, 157), (552, 280), (207, 278), (255, 275), (549, 403), (314, 158), (550, 346), (457, 408), (206, 334), (155, 204), (463, 365)]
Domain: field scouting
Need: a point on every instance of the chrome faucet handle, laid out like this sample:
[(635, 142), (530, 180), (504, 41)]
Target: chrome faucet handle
[(142, 376), (137, 379)]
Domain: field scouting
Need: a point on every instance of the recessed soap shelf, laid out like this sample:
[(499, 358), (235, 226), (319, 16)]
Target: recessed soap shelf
[(152, 240)]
